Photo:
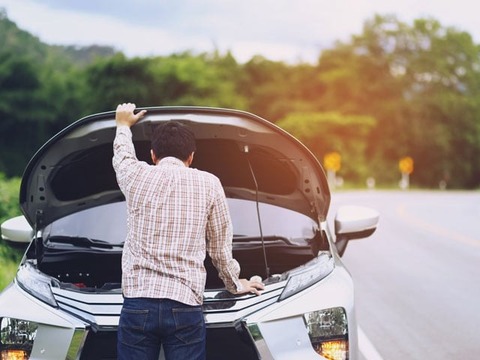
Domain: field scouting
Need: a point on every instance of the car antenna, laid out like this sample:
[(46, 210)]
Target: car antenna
[(246, 150)]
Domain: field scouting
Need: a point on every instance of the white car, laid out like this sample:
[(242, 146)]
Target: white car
[(66, 298)]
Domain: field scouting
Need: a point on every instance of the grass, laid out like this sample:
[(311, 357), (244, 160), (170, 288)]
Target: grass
[(9, 260), (9, 257)]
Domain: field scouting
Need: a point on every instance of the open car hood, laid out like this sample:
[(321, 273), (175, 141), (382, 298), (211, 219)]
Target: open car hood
[(253, 158)]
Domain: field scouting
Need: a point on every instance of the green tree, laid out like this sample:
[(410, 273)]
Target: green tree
[(421, 83), (327, 132), (116, 80), (35, 103), (179, 79), (19, 83), (9, 207), (203, 80), (443, 75), (41, 91), (274, 89), (9, 190)]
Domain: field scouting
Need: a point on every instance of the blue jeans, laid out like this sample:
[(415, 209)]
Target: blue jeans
[(148, 324)]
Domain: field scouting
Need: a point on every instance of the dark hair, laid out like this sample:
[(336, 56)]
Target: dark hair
[(173, 139)]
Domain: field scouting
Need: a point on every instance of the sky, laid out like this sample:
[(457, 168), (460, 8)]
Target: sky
[(292, 31)]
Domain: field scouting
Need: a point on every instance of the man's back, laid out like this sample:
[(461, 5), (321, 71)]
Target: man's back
[(169, 207)]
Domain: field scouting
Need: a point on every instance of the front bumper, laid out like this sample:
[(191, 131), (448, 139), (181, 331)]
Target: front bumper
[(84, 325)]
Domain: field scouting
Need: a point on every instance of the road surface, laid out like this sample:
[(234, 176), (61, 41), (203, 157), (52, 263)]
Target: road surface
[(417, 279)]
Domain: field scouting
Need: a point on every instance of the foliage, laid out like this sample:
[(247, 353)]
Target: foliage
[(421, 83), (9, 190), (325, 132), (184, 79), (40, 93), (180, 79), (274, 89), (18, 81), (395, 89), (9, 260), (9, 257)]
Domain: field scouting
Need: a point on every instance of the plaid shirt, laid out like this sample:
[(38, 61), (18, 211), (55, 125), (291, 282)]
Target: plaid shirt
[(174, 215)]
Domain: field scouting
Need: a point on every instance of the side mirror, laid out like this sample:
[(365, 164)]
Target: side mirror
[(17, 231), (354, 222)]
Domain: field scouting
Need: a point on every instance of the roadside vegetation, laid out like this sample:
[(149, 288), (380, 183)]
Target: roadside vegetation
[(395, 90), (9, 257)]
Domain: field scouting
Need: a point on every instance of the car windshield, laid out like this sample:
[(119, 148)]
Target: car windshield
[(85, 248), (107, 223), (274, 221)]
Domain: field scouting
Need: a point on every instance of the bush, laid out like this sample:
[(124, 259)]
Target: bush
[(9, 207), (9, 190)]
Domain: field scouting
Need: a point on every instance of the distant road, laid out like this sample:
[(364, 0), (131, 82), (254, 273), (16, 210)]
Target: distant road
[(418, 277)]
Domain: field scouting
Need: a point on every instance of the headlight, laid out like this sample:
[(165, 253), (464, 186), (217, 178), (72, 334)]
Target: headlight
[(35, 283), (328, 332), (308, 275), (16, 338)]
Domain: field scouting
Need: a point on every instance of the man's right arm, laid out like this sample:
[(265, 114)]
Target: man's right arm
[(124, 157)]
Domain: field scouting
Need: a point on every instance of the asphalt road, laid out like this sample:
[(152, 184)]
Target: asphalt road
[(418, 277)]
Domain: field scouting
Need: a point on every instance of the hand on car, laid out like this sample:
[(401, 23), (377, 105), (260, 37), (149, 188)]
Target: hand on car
[(125, 116), (251, 286)]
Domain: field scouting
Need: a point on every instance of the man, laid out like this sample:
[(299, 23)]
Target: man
[(174, 215)]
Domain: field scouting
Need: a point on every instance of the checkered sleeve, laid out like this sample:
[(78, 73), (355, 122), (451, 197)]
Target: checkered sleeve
[(219, 242), (124, 158)]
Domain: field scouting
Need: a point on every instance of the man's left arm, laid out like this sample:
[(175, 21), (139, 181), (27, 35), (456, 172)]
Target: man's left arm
[(219, 247)]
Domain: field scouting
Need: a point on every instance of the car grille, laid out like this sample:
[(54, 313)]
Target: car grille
[(227, 337)]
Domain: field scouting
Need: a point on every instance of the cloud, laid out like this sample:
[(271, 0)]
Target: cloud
[(277, 29)]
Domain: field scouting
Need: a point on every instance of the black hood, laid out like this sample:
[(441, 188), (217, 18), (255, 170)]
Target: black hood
[(73, 170)]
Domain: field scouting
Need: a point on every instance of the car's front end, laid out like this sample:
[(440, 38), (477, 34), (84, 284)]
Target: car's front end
[(66, 298), (306, 313)]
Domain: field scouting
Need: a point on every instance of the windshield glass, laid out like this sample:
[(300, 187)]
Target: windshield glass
[(108, 223), (275, 220)]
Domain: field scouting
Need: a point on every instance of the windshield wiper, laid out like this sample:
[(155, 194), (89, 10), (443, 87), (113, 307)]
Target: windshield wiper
[(82, 241), (266, 238)]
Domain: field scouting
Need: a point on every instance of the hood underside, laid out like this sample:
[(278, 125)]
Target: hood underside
[(253, 158)]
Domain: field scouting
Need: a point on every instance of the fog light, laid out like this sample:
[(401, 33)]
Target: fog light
[(328, 332), (16, 338), (333, 350), (13, 355)]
